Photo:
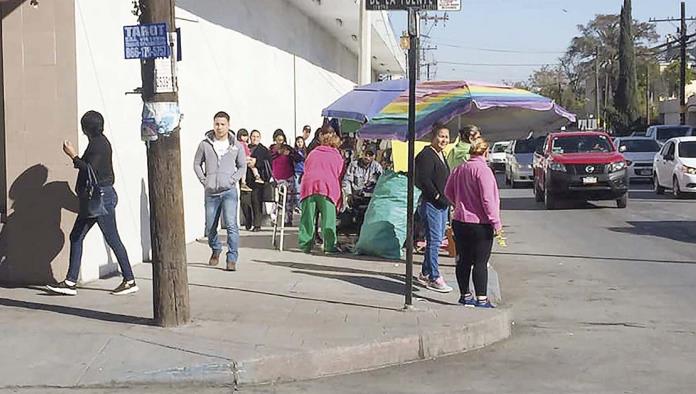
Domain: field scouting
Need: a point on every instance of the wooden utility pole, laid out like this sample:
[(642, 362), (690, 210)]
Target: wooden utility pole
[(170, 282), (682, 66)]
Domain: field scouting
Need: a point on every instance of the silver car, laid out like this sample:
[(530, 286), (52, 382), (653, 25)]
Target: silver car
[(639, 153), (518, 166)]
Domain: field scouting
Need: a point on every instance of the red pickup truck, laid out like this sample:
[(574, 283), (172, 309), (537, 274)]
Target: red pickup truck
[(579, 166)]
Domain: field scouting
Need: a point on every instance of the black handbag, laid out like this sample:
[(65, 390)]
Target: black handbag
[(91, 196), (270, 184)]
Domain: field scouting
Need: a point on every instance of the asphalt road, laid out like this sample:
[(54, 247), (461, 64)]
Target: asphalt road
[(604, 302)]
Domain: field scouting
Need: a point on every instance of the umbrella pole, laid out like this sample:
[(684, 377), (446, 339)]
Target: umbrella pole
[(412, 66)]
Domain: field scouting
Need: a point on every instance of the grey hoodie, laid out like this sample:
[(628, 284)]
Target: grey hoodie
[(219, 173)]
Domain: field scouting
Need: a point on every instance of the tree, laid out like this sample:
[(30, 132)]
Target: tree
[(670, 79), (626, 93)]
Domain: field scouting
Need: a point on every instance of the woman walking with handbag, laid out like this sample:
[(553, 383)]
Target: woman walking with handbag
[(259, 180), (98, 200), (473, 191)]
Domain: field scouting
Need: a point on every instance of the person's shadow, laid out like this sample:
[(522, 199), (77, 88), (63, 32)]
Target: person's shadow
[(31, 238)]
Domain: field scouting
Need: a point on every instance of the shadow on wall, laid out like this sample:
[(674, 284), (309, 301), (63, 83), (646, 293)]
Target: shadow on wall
[(32, 237), (254, 19)]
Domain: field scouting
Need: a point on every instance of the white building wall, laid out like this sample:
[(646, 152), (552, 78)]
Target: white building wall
[(262, 61)]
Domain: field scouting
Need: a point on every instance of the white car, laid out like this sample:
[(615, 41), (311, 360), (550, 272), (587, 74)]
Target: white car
[(675, 167), (498, 157), (639, 153)]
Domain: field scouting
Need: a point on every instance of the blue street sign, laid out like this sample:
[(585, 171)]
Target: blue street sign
[(146, 41)]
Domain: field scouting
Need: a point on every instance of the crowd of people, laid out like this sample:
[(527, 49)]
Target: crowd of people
[(329, 174)]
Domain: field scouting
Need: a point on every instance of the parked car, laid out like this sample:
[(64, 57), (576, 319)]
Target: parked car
[(579, 166), (496, 160), (519, 158), (639, 153), (662, 133), (675, 167)]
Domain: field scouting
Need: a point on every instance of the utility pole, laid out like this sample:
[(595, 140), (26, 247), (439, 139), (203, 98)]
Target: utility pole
[(413, 30), (647, 93), (682, 66), (596, 74), (683, 37), (365, 54), (169, 277)]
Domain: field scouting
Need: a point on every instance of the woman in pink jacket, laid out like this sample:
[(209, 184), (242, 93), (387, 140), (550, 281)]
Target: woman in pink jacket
[(473, 191), (320, 191)]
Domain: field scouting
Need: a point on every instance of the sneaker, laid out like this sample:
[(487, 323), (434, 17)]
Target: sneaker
[(63, 288), (484, 304), (467, 300), (231, 266), (245, 188), (336, 250), (298, 211), (126, 287), (423, 279), (214, 259), (439, 285)]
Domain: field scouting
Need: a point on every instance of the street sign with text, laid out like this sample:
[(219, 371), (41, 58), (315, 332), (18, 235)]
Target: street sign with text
[(426, 5), (146, 41)]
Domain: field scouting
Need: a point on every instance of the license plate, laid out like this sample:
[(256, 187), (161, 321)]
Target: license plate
[(644, 172), (589, 180)]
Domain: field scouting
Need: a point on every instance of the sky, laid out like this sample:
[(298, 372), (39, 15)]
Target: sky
[(526, 33)]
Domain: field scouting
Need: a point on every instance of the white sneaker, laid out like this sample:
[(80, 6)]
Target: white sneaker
[(439, 285)]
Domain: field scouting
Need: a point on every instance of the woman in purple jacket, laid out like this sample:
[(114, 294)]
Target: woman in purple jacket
[(473, 191)]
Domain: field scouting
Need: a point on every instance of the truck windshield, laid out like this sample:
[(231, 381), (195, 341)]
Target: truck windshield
[(641, 145), (525, 146), (687, 149), (498, 148), (665, 133), (581, 144)]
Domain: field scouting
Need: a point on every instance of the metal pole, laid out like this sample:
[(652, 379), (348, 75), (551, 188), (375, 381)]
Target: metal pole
[(682, 71), (647, 94), (365, 53), (412, 69), (596, 72)]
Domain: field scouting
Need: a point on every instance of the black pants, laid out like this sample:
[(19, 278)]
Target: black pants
[(246, 211), (257, 206), (474, 243)]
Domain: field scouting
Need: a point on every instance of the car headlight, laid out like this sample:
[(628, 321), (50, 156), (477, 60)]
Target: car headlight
[(617, 166), (689, 170), (554, 166)]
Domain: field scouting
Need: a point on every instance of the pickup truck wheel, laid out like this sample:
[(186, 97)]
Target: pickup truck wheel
[(658, 189), (549, 200), (622, 202)]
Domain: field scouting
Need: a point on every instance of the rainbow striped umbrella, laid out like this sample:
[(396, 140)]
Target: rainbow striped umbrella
[(501, 111)]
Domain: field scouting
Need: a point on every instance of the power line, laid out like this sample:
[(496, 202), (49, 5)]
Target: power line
[(540, 52), (499, 64)]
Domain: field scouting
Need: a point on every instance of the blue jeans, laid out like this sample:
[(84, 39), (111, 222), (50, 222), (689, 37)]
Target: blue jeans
[(434, 222), (224, 203), (107, 225)]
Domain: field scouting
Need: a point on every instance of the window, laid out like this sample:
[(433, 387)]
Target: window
[(524, 146), (581, 144), (687, 149), (641, 145), (670, 150), (665, 133), (499, 148)]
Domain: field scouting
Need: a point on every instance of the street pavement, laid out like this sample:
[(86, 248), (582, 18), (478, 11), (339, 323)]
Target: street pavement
[(603, 302)]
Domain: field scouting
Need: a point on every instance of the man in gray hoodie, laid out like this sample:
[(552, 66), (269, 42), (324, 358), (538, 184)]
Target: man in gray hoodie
[(220, 163)]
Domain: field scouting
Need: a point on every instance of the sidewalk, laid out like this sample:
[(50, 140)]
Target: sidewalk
[(283, 316)]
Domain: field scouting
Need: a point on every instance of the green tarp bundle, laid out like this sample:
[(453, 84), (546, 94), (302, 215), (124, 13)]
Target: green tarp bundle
[(383, 232)]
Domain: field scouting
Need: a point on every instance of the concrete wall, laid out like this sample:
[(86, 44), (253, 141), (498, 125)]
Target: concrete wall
[(262, 61), (39, 107)]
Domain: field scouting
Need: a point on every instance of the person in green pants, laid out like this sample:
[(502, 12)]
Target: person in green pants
[(320, 191)]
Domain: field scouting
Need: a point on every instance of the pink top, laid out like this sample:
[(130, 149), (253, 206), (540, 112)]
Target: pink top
[(247, 151), (322, 176), (281, 165), (473, 191)]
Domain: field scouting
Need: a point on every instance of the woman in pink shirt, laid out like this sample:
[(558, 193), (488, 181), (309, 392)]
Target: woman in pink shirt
[(473, 191), (320, 191)]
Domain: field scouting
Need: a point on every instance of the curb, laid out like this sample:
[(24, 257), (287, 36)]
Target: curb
[(364, 357), (339, 360)]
